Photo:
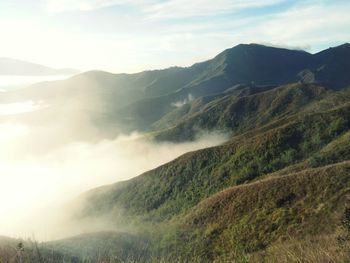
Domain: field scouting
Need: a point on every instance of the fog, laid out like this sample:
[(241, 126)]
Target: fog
[(19, 107), (180, 103), (44, 166), (15, 82)]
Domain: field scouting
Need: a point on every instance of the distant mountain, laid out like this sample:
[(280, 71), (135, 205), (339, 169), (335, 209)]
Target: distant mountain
[(128, 102), (9, 66), (248, 65), (332, 66)]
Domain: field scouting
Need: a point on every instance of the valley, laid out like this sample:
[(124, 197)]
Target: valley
[(240, 158)]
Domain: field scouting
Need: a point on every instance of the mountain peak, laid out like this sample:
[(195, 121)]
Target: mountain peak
[(250, 45), (342, 48), (345, 45), (263, 46)]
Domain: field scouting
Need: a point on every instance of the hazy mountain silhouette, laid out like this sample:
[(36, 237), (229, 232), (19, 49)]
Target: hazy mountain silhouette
[(9, 66)]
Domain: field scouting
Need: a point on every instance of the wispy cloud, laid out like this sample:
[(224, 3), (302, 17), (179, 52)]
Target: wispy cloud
[(196, 8), (308, 24), (83, 5), (133, 35), (162, 9)]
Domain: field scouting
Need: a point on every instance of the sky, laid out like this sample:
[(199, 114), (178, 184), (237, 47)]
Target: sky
[(135, 35)]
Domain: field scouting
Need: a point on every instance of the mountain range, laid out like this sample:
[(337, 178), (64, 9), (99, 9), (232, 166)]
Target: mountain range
[(10, 67), (138, 101), (276, 191)]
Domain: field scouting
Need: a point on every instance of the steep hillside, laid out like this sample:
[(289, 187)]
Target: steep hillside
[(252, 216), (239, 112), (278, 178), (260, 64), (296, 130), (187, 108), (179, 185), (332, 66)]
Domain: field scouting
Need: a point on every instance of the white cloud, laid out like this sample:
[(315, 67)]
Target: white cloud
[(156, 34), (19, 107), (180, 103), (90, 5), (162, 9), (302, 26), (82, 5), (184, 8)]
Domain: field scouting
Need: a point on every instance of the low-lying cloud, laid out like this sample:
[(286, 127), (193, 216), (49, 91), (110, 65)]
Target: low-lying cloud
[(35, 183), (180, 103)]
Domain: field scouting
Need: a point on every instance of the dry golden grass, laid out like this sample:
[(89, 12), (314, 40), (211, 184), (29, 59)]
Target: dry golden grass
[(321, 249)]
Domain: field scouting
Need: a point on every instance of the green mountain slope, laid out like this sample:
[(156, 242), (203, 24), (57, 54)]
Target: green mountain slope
[(293, 160), (307, 203), (239, 112), (177, 186), (202, 104)]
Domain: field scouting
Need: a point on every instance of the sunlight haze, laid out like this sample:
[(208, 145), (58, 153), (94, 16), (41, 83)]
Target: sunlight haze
[(130, 35)]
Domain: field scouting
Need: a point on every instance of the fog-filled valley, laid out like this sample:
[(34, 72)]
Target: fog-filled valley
[(240, 157), (172, 131), (46, 165)]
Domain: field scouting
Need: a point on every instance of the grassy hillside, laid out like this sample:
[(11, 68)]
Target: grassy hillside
[(283, 177), (246, 110), (253, 216), (179, 185), (203, 104), (263, 221), (30, 251)]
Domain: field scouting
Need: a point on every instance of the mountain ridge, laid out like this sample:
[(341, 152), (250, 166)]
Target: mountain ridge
[(128, 102), (10, 66)]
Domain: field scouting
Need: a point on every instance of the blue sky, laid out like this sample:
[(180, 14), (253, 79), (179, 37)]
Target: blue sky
[(134, 35)]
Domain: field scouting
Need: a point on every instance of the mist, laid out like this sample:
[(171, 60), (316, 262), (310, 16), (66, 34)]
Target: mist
[(44, 166), (14, 82), (180, 103)]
